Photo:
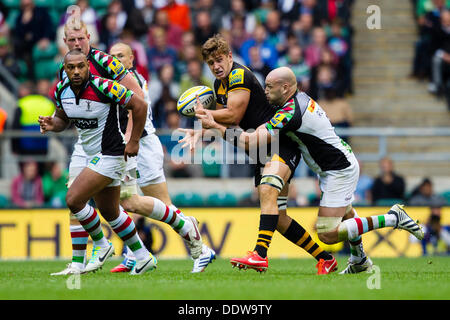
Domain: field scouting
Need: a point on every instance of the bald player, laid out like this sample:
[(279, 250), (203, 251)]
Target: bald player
[(149, 174), (303, 121)]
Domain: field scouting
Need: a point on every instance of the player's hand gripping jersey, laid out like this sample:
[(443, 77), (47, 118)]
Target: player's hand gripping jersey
[(306, 124), (95, 113)]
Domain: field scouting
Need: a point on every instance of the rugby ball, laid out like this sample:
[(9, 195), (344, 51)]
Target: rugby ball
[(186, 103)]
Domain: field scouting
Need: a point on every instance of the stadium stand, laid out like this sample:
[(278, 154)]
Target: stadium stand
[(365, 71)]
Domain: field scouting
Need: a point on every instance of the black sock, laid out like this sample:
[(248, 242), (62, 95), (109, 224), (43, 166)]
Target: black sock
[(267, 225)]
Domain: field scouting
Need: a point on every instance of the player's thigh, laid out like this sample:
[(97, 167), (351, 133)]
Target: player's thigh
[(107, 201), (85, 186), (150, 162), (337, 189)]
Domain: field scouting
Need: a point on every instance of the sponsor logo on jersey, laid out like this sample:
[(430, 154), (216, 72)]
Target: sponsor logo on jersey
[(116, 66), (118, 90), (81, 123), (277, 119), (311, 105), (236, 77), (95, 160)]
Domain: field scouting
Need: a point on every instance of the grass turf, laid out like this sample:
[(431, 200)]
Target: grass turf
[(286, 279)]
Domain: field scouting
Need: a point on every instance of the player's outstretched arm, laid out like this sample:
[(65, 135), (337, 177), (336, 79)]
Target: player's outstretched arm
[(242, 139), (57, 122), (130, 83)]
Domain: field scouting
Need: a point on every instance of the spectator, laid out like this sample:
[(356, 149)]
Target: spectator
[(238, 9), (424, 195), (189, 52), (8, 61), (363, 188), (194, 76), (29, 107), (179, 14), (388, 185), (89, 17), (258, 66), (293, 196), (26, 188), (135, 20), (441, 59), (294, 60), (313, 52), (115, 8), (268, 52), (276, 33), (302, 29), (238, 32), (338, 109), (161, 54), (324, 82), (148, 11), (54, 186), (33, 27), (174, 33), (437, 236), (139, 53), (214, 11), (110, 31), (428, 14), (162, 89), (204, 29)]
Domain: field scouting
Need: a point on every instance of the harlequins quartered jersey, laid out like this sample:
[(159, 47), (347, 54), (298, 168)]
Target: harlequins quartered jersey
[(95, 113), (149, 128), (258, 110), (306, 124)]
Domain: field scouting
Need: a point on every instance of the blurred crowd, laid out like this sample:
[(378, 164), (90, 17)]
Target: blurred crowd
[(312, 37), (432, 51)]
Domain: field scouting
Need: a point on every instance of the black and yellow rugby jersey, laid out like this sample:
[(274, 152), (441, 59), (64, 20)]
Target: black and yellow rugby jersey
[(258, 110)]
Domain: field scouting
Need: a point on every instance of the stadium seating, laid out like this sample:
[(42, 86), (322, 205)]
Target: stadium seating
[(4, 201), (48, 53), (99, 4), (446, 196), (45, 3), (46, 69), (221, 199), (11, 3), (388, 202), (188, 199)]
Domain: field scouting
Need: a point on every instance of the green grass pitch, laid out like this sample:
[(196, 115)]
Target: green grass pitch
[(286, 279)]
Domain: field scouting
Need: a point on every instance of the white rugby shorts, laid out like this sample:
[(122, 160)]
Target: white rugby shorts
[(338, 186), (109, 166), (150, 161)]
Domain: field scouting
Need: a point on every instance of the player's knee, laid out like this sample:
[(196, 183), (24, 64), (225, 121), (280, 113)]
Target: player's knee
[(328, 237), (327, 229), (73, 202), (127, 205), (271, 185)]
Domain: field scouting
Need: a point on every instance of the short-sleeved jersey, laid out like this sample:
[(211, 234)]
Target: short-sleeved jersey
[(258, 110), (306, 124), (95, 113)]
